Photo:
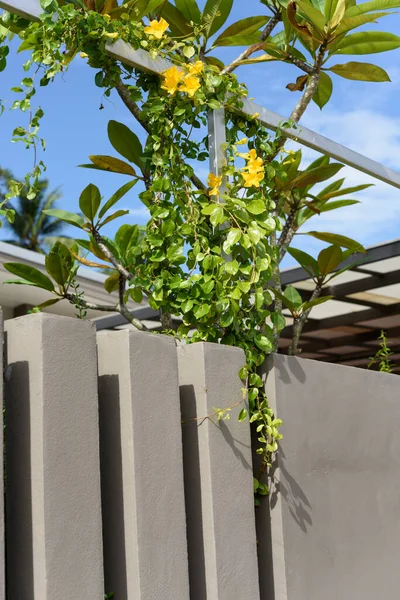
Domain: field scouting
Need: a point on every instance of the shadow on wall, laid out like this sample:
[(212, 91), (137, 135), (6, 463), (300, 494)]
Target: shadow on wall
[(288, 368), (191, 473), (112, 496), (18, 486)]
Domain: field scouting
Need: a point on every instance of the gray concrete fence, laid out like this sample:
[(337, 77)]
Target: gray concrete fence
[(116, 482)]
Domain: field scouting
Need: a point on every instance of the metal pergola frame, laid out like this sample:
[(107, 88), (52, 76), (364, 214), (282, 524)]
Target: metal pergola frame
[(362, 322), (141, 60)]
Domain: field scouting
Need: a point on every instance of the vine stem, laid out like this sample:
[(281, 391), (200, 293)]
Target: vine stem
[(134, 109), (213, 414)]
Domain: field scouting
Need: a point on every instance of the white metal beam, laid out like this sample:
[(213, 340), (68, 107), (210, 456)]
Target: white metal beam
[(140, 59)]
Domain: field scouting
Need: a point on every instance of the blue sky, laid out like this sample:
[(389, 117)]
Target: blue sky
[(363, 116)]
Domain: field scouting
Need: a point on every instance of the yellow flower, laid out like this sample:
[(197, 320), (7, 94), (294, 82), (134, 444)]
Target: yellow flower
[(196, 68), (172, 78), (253, 179), (253, 173), (157, 28), (256, 115), (214, 182), (83, 55), (112, 35), (191, 84), (242, 142)]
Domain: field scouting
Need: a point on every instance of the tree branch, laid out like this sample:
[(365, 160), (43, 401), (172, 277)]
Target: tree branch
[(89, 305), (254, 47), (300, 108), (123, 310), (299, 63), (287, 232), (299, 323), (311, 88), (120, 268)]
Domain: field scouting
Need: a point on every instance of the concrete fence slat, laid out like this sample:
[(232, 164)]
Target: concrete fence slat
[(54, 539), (2, 553), (145, 548), (218, 476)]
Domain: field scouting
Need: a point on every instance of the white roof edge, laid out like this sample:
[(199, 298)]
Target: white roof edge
[(17, 253)]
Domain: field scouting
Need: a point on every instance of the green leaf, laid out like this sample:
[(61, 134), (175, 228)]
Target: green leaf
[(110, 164), (232, 267), (333, 190), (201, 311), (324, 90), (255, 233), (136, 294), (233, 237), (59, 263), (256, 207), (338, 15), (350, 23), (117, 196), (178, 23), (126, 237), (116, 215), (373, 5), (30, 274), (64, 215), (313, 15), (337, 239), (215, 14), (336, 204), (360, 72), (366, 42), (263, 342), (125, 142), (89, 201), (305, 260), (312, 176), (187, 306), (111, 283), (48, 303), (217, 216), (243, 373), (278, 321), (189, 9), (242, 415), (240, 40), (329, 259), (330, 7), (246, 26), (315, 302), (293, 296)]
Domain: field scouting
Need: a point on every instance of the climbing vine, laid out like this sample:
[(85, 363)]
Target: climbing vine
[(209, 258)]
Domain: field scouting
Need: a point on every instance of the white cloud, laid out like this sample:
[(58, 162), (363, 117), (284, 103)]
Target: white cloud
[(377, 218)]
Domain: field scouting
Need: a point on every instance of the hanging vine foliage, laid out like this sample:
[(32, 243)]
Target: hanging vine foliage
[(209, 257)]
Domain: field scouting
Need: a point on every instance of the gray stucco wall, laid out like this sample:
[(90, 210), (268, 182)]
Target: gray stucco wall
[(335, 521), (54, 542)]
